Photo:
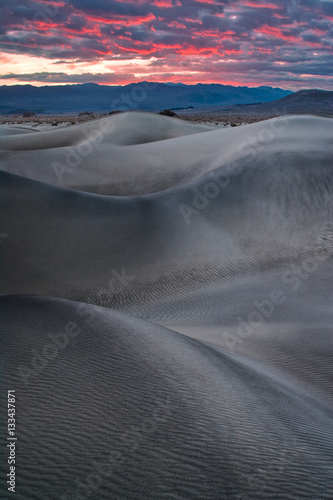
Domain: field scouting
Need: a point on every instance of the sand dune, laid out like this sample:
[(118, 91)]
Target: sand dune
[(140, 153), (146, 412), (184, 276), (14, 130)]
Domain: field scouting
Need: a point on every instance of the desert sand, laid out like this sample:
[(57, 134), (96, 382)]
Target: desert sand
[(166, 296)]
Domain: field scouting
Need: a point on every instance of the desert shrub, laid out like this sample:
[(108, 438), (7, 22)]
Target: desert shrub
[(167, 112), (28, 114)]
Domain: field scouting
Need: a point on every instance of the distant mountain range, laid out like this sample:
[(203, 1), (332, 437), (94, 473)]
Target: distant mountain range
[(144, 96), (316, 102)]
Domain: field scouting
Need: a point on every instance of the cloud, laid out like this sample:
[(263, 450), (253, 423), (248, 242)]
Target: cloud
[(47, 78), (328, 8), (177, 33)]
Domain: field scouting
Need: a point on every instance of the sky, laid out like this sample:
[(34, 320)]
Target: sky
[(280, 43)]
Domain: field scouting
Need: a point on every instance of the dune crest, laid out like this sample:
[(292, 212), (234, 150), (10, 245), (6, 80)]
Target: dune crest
[(141, 153)]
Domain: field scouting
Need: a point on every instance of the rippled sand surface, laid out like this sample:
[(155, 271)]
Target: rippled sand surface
[(166, 303)]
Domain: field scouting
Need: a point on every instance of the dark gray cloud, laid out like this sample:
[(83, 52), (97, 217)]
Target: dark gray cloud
[(327, 8)]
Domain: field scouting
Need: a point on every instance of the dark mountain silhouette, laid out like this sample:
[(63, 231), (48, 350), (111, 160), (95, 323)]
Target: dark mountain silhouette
[(135, 96)]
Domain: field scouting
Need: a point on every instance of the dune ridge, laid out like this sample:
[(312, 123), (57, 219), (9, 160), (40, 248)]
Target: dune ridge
[(138, 153)]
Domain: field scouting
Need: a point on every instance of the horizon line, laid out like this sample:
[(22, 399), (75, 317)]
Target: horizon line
[(172, 84)]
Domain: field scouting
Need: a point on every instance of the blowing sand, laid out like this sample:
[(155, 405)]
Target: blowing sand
[(167, 308)]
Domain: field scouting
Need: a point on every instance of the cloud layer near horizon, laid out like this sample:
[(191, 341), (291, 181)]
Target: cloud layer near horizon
[(266, 42)]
